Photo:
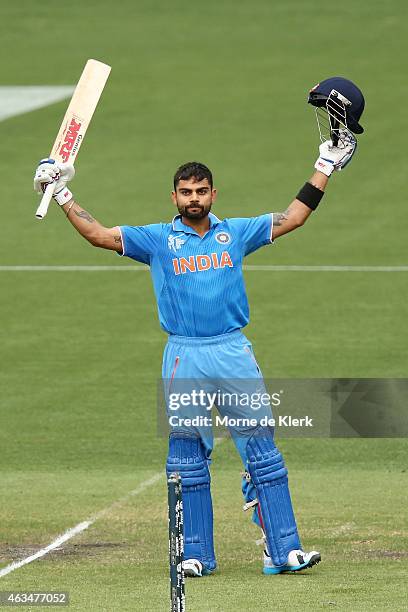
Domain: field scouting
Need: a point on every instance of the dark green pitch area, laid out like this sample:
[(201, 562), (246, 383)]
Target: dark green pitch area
[(225, 83)]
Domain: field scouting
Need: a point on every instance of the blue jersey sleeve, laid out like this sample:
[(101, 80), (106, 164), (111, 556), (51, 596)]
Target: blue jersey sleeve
[(140, 242), (253, 232)]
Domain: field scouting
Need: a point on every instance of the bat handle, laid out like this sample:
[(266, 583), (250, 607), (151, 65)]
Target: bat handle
[(45, 201)]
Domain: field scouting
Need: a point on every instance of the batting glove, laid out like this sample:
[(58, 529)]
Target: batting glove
[(335, 158), (49, 171)]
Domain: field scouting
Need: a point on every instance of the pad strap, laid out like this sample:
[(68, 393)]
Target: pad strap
[(269, 475), (186, 456)]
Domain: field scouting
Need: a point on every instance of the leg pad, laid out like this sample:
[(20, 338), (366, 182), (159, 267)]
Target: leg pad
[(186, 456), (269, 475)]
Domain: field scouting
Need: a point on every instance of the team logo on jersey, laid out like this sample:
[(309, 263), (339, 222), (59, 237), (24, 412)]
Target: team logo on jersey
[(175, 243), (223, 237)]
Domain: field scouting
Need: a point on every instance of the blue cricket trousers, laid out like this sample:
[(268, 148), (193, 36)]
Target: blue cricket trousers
[(223, 367)]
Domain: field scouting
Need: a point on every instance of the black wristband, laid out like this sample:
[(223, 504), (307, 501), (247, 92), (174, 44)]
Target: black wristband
[(310, 195)]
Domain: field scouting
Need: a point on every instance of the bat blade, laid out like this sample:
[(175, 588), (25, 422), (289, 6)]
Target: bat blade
[(76, 120)]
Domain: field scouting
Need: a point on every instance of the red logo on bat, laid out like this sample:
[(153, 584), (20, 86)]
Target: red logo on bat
[(69, 140)]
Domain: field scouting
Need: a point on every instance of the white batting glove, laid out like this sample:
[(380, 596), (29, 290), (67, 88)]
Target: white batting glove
[(49, 171), (333, 158)]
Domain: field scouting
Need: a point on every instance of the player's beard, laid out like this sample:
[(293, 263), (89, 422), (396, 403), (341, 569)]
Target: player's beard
[(200, 213)]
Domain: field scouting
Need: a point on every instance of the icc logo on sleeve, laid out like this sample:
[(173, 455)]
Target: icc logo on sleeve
[(223, 237), (175, 243)]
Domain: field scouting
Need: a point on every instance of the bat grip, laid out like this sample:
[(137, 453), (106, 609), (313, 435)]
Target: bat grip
[(335, 139), (334, 131), (45, 201)]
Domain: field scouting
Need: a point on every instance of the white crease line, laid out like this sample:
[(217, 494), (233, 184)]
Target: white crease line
[(85, 524), (40, 553), (80, 527), (249, 268)]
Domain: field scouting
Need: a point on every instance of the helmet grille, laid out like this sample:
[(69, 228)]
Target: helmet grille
[(332, 119)]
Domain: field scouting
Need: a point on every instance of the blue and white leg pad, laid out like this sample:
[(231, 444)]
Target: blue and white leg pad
[(269, 475), (186, 456)]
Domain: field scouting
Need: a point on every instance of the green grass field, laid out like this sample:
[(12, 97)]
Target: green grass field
[(224, 83)]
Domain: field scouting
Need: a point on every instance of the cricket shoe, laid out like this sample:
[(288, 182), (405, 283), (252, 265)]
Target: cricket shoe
[(297, 560), (193, 568)]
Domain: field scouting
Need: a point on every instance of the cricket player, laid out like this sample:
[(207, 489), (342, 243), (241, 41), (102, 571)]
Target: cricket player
[(196, 267)]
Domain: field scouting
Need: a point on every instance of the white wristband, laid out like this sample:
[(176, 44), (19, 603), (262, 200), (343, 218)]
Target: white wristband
[(63, 196)]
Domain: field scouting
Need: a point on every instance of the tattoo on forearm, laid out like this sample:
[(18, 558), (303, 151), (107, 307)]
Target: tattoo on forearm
[(117, 239), (278, 218), (84, 215)]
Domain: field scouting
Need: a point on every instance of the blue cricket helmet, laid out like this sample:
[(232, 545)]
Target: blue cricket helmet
[(350, 95)]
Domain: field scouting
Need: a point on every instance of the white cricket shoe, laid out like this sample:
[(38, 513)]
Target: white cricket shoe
[(297, 560), (193, 568)]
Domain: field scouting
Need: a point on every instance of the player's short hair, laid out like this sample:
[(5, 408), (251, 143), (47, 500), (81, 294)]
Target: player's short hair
[(192, 169)]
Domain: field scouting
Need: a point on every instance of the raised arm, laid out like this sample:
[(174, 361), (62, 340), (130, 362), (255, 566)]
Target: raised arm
[(330, 159), (297, 212), (91, 229), (50, 172)]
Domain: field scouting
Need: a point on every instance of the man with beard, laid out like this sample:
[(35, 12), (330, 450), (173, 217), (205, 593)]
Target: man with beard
[(196, 267)]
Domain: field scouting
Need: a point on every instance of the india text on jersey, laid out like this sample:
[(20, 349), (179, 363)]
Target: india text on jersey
[(200, 263)]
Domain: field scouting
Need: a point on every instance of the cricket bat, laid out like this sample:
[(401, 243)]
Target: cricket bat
[(76, 121)]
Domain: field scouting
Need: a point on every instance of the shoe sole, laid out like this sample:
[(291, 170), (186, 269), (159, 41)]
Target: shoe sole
[(191, 574), (297, 568)]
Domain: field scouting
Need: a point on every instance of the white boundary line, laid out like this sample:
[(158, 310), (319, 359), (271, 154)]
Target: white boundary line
[(249, 268), (270, 268), (73, 268), (70, 533), (20, 99)]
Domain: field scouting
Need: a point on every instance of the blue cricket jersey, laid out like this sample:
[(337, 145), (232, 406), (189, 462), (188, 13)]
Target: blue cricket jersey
[(198, 281)]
